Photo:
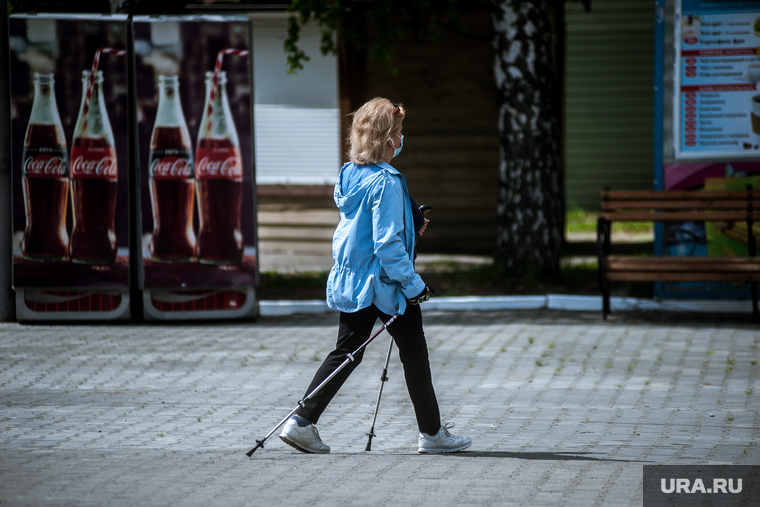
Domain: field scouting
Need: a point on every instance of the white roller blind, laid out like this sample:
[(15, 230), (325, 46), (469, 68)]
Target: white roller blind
[(296, 117)]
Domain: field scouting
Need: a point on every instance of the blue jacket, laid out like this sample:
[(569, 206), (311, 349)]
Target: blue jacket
[(373, 245)]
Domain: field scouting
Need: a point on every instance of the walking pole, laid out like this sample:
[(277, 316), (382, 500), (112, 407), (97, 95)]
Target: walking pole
[(383, 379), (349, 359)]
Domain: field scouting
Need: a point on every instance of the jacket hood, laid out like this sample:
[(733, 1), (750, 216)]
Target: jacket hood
[(354, 181)]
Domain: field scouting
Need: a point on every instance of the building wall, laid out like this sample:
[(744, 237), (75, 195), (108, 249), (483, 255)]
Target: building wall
[(451, 154)]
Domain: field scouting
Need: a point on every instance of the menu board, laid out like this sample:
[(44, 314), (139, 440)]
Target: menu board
[(717, 103)]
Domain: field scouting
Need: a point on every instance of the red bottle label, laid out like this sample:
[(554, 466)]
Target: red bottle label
[(175, 166), (97, 162), (218, 163), (45, 163)]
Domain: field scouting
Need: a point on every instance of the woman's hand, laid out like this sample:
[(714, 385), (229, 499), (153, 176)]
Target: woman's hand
[(422, 296), (422, 229)]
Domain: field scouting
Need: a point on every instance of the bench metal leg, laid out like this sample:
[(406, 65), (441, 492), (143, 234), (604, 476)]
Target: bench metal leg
[(755, 314), (603, 250)]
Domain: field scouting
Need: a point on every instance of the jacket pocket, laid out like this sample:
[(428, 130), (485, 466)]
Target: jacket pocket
[(385, 279)]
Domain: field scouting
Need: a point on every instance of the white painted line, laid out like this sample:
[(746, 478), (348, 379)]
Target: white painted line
[(576, 303), (486, 303), (550, 301), (674, 305), (286, 307)]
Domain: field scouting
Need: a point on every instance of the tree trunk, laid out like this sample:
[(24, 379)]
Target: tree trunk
[(531, 201)]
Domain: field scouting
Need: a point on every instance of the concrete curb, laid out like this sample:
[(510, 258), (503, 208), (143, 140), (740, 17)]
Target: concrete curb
[(550, 301)]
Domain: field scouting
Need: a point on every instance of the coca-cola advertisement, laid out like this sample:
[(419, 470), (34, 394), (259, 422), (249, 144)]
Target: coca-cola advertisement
[(194, 100), (70, 160)]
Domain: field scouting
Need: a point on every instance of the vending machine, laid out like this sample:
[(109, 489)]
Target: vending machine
[(194, 145), (69, 166)]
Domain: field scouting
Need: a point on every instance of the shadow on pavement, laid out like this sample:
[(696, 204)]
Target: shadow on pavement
[(547, 456)]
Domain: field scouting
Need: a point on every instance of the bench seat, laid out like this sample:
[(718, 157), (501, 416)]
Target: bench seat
[(658, 206)]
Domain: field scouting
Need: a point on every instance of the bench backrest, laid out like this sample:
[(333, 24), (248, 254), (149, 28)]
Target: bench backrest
[(692, 205)]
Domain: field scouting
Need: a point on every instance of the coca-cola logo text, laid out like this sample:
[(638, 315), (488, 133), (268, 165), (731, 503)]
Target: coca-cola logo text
[(104, 167), (229, 167), (171, 168), (44, 166), (93, 164)]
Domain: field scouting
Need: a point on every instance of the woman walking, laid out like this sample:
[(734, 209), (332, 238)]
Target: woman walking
[(373, 277)]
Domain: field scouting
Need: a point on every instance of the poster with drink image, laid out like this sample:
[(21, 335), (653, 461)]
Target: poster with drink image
[(703, 239), (70, 157), (194, 100)]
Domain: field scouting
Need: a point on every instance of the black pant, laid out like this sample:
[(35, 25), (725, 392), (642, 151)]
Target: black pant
[(355, 328)]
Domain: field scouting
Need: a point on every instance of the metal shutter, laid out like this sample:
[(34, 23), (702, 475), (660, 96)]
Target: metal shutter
[(609, 97)]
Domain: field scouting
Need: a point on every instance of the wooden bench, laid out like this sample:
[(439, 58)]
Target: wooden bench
[(729, 208)]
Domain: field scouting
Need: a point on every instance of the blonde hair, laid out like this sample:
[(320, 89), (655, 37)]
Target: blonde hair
[(373, 125)]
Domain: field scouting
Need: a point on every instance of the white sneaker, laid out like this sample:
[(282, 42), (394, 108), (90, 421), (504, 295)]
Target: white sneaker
[(443, 441), (304, 439)]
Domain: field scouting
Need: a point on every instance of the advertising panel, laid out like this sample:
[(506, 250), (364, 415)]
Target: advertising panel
[(70, 163), (717, 107), (706, 79), (197, 212)]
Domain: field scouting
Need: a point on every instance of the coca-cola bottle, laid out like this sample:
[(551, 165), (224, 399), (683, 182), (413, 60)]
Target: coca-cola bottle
[(94, 173), (219, 179), (172, 183), (45, 177)]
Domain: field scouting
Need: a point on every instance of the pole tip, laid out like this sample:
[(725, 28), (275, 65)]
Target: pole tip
[(259, 443)]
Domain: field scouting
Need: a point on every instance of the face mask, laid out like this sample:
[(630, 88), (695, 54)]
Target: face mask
[(396, 151)]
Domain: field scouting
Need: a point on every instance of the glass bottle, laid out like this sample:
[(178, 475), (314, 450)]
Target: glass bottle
[(94, 179), (218, 179), (172, 181), (45, 177)]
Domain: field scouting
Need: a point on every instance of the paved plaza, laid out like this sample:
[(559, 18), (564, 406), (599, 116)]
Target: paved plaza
[(564, 409)]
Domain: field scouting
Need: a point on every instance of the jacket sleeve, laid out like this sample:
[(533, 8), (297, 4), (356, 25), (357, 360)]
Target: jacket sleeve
[(388, 207)]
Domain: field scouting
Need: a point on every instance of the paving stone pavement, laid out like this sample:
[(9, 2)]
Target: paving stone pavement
[(564, 409)]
